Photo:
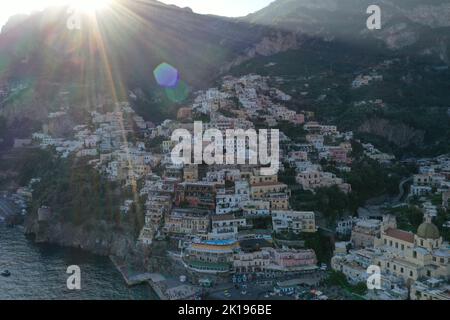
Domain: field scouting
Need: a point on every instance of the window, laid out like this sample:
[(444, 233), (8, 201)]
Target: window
[(402, 270), (403, 247), (396, 245), (410, 273), (415, 254)]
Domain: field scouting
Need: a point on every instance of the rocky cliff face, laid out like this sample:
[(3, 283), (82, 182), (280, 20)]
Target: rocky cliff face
[(433, 16), (103, 239), (399, 134), (409, 25), (269, 45)]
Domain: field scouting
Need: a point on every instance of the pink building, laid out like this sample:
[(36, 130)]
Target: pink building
[(338, 154), (291, 258), (298, 156), (275, 260), (298, 119)]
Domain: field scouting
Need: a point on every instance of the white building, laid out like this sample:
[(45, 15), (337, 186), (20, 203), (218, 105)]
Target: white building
[(293, 221), (225, 227)]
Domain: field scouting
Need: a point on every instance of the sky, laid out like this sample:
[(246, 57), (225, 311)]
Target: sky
[(12, 7), (231, 8)]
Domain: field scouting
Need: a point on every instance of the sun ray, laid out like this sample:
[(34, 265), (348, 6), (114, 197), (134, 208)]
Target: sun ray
[(89, 6)]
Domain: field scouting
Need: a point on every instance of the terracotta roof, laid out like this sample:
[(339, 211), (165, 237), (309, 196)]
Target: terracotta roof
[(214, 247), (400, 234)]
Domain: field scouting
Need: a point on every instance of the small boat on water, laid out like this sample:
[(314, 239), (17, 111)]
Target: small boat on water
[(5, 273)]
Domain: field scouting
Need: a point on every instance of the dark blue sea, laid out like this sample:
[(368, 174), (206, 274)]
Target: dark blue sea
[(39, 272)]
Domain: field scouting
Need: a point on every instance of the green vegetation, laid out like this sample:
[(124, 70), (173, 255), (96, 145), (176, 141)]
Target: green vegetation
[(16, 128), (370, 179), (331, 202), (204, 117), (261, 222), (226, 113), (408, 218), (318, 241), (321, 244), (287, 176), (2, 128), (77, 193), (337, 278), (295, 133), (442, 217), (154, 144), (415, 95), (153, 105)]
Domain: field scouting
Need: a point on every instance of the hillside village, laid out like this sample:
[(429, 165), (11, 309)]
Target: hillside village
[(230, 224)]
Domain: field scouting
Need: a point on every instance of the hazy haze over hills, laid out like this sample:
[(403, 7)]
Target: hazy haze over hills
[(413, 26), (135, 38), (120, 49)]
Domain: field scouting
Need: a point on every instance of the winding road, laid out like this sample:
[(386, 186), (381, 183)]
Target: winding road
[(402, 190)]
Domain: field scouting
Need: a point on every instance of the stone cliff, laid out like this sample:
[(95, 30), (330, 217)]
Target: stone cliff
[(102, 238), (399, 133)]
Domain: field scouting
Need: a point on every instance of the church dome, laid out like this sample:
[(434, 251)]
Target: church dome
[(428, 230)]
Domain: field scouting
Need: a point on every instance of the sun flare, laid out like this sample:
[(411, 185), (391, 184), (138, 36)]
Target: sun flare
[(89, 6)]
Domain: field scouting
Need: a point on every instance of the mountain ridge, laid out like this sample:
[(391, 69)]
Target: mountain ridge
[(119, 50), (147, 29), (407, 26)]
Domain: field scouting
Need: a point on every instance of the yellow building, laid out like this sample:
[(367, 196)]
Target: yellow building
[(257, 179), (264, 189), (414, 256), (190, 173), (279, 201), (187, 222)]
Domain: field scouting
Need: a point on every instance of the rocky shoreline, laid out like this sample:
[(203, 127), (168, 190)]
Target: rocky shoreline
[(136, 264), (103, 239)]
